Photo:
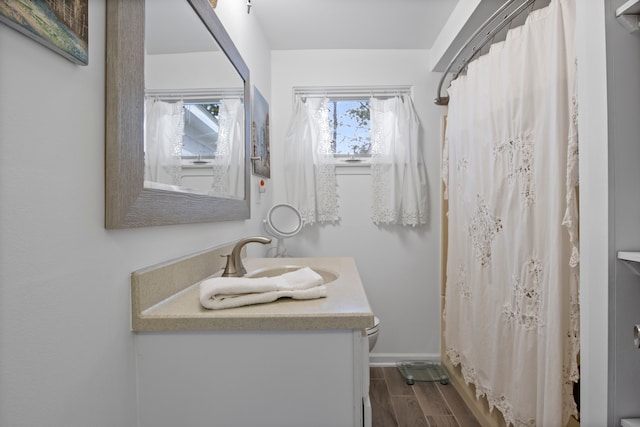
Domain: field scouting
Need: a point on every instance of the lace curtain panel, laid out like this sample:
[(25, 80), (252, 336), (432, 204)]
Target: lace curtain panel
[(164, 127), (310, 175), (510, 169), (397, 166), (228, 161)]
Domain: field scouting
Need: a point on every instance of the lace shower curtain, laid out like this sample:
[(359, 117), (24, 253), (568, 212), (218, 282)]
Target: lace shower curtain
[(228, 162), (510, 170), (397, 165), (164, 127), (310, 175)]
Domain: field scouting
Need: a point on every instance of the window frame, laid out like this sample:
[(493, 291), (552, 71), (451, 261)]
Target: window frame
[(354, 93)]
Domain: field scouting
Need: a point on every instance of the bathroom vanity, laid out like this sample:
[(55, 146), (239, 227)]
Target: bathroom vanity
[(287, 363)]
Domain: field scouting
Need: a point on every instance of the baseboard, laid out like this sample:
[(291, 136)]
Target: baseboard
[(390, 359)]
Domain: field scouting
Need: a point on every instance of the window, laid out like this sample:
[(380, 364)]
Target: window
[(349, 121), (205, 115), (200, 129), (350, 115)]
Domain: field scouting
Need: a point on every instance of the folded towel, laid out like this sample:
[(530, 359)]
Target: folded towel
[(227, 292), (303, 278)]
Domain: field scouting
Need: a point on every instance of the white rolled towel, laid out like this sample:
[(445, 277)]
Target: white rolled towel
[(303, 278), (227, 292)]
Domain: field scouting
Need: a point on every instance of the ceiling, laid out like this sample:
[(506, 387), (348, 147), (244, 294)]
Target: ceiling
[(381, 24), (337, 24), (351, 24)]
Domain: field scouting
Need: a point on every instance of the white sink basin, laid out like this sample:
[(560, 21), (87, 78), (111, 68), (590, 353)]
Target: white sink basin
[(327, 275)]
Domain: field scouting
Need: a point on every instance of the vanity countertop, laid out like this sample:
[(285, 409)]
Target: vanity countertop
[(345, 307)]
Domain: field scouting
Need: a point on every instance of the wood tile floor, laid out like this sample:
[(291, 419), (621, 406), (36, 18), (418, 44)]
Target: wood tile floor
[(394, 403)]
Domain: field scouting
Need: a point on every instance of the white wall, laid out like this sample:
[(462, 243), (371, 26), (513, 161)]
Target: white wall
[(191, 70), (594, 212), (66, 350), (399, 266), (623, 94)]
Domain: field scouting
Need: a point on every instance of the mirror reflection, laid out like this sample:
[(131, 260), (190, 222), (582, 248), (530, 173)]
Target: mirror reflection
[(194, 106)]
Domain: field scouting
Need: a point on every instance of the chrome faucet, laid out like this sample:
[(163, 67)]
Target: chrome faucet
[(234, 267)]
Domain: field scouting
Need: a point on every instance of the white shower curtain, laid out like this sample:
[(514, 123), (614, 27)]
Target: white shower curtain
[(510, 170), (397, 165), (310, 172), (164, 129), (228, 161)]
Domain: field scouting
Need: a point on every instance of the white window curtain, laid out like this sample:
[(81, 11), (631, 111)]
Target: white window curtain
[(228, 162), (510, 165), (310, 176), (164, 129), (397, 165)]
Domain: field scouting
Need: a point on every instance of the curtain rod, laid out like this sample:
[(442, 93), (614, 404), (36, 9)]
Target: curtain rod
[(195, 94), (352, 91), (444, 100)]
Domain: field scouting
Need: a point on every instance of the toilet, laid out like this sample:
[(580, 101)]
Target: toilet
[(372, 333)]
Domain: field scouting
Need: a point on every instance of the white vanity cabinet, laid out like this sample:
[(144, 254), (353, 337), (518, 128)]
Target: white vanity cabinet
[(252, 378), (197, 177), (282, 364)]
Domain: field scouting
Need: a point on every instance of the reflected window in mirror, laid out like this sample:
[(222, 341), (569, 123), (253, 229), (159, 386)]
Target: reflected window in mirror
[(195, 145), (201, 131)]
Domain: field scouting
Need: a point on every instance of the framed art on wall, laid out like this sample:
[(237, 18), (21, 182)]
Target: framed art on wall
[(60, 25), (260, 149)]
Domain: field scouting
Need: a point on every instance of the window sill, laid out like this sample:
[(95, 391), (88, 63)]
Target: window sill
[(344, 167)]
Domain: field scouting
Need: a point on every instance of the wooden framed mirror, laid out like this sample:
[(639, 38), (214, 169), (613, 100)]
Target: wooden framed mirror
[(131, 200)]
